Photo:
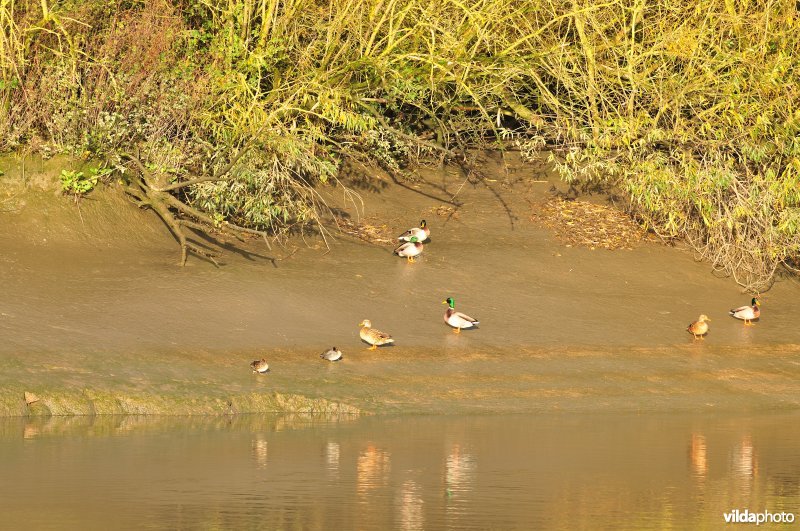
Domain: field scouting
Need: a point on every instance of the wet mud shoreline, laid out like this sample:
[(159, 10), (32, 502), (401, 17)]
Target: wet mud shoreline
[(97, 318)]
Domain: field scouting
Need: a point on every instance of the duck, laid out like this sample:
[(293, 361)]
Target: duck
[(748, 313), (699, 328), (421, 233), (260, 366), (456, 319), (334, 354), (409, 249), (373, 336)]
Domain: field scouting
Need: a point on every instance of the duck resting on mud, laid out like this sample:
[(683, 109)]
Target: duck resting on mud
[(409, 249), (748, 313), (260, 366), (421, 233), (699, 328), (334, 354), (456, 319), (373, 336)]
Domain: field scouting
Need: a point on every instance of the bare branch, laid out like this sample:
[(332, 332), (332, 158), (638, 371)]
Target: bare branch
[(191, 182)]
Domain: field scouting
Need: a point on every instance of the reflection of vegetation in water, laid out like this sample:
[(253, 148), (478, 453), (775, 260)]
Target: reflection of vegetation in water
[(114, 425), (224, 117)]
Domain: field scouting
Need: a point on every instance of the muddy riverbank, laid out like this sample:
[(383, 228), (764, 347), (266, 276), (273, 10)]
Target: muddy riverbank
[(96, 317)]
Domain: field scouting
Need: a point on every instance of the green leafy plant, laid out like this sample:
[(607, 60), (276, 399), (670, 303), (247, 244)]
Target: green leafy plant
[(78, 183)]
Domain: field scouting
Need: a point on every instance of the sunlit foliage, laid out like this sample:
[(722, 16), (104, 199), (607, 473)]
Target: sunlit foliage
[(688, 108)]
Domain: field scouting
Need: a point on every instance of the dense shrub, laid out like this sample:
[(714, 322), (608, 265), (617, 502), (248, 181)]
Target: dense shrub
[(688, 108)]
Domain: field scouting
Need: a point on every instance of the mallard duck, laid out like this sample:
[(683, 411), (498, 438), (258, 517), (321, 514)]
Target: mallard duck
[(260, 366), (456, 319), (373, 336), (748, 313), (409, 250), (333, 354), (421, 233), (699, 328)]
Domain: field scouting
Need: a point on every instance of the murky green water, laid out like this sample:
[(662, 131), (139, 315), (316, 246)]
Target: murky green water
[(566, 471)]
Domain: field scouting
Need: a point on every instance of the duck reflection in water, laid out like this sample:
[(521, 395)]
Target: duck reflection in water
[(459, 468), (260, 445), (332, 457), (697, 456), (744, 464), (372, 469), (409, 507)]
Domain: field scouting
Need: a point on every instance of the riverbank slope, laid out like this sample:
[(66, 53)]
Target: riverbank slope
[(97, 317)]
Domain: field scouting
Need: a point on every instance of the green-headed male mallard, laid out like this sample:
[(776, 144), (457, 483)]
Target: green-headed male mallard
[(421, 233), (410, 249), (260, 366), (699, 328), (456, 319), (373, 336), (748, 313), (333, 354)]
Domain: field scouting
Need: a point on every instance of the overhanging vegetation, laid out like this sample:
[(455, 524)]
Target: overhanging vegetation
[(226, 115)]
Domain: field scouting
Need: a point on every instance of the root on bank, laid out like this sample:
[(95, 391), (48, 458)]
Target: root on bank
[(149, 192)]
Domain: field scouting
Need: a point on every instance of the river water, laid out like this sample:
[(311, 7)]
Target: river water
[(566, 471)]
